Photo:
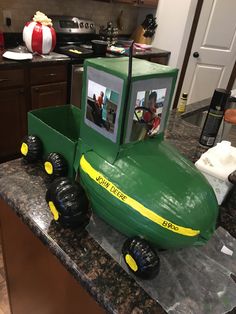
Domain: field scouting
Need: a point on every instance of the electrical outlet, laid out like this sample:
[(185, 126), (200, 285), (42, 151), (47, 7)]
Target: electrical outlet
[(6, 16)]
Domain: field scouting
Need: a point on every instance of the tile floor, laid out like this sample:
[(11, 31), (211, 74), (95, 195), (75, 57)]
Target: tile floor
[(4, 303)]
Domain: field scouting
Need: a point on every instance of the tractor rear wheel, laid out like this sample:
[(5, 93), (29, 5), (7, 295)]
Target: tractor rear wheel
[(140, 258), (68, 203), (55, 165), (31, 148)]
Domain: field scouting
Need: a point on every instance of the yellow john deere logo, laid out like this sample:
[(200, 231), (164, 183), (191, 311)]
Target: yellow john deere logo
[(142, 210)]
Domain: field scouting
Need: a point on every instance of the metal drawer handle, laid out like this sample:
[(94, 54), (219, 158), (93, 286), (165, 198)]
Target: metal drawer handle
[(4, 80), (79, 70), (51, 74)]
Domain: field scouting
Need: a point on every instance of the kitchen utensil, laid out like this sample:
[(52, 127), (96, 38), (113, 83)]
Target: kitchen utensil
[(144, 32)]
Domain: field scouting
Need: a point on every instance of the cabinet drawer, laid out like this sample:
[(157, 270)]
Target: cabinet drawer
[(11, 77), (48, 95), (48, 74)]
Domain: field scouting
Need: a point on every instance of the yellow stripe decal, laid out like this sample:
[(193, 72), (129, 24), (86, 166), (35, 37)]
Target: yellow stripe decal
[(142, 210)]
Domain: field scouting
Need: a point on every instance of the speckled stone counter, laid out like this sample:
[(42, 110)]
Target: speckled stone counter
[(52, 59), (23, 188)]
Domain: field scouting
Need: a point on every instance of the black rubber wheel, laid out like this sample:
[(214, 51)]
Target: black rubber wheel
[(68, 203), (55, 165), (31, 148), (140, 258)]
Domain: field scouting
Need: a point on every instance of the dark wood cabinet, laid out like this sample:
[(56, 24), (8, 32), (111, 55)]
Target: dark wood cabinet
[(163, 57), (22, 88), (48, 85), (161, 60), (140, 3), (148, 3), (48, 95), (48, 74), (13, 114)]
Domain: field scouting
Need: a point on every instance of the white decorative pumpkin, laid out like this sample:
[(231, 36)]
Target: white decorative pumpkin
[(39, 38)]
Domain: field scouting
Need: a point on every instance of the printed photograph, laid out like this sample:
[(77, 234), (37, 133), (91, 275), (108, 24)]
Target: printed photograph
[(147, 113), (102, 105)]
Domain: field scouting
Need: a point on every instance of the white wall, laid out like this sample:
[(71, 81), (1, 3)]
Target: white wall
[(174, 20)]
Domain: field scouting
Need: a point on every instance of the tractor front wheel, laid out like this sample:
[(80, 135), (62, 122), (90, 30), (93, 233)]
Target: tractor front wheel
[(140, 258), (68, 203)]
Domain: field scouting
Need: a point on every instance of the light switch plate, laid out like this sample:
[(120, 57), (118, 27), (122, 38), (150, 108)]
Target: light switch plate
[(6, 14)]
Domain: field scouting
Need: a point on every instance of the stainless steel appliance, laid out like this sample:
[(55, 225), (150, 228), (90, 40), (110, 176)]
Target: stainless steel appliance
[(76, 84), (74, 37)]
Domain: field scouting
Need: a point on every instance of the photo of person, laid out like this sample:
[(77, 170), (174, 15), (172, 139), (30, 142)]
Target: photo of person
[(101, 106), (147, 113)]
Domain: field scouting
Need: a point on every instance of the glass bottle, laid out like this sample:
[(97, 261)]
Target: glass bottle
[(182, 103)]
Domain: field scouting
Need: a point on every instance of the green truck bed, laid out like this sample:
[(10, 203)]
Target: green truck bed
[(58, 128)]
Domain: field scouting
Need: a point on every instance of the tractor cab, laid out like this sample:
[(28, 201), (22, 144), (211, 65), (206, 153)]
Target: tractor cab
[(118, 110)]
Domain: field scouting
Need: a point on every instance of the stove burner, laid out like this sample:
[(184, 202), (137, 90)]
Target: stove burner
[(76, 51), (86, 46)]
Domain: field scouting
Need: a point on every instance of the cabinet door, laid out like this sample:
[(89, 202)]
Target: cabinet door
[(12, 122), (48, 95)]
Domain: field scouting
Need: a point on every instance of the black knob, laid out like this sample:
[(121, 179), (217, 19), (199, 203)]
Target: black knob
[(195, 54), (86, 25), (91, 25), (81, 25)]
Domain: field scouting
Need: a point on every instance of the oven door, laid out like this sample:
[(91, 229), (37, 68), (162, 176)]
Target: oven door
[(76, 84)]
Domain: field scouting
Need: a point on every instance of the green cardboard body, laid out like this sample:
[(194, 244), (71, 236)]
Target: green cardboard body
[(150, 174), (58, 128)]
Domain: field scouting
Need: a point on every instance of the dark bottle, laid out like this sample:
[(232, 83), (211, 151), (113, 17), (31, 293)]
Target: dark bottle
[(214, 117)]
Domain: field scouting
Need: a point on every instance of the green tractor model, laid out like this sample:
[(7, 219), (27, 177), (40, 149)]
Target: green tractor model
[(111, 156)]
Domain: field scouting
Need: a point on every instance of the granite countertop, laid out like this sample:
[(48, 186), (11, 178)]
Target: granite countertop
[(153, 52), (37, 59), (23, 187), (55, 57)]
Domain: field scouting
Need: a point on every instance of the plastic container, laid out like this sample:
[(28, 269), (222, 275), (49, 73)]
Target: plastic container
[(216, 165), (182, 103)]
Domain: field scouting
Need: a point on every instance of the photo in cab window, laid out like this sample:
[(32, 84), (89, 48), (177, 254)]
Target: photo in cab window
[(101, 108), (147, 113)]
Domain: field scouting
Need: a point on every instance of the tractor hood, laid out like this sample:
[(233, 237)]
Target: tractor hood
[(154, 187), (170, 185)]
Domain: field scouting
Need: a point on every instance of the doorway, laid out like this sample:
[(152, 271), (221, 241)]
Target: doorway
[(213, 53)]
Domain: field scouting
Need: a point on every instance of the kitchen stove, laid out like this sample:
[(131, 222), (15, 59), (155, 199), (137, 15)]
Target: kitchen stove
[(74, 37)]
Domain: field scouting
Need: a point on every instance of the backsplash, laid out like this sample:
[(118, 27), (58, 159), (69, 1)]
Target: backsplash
[(100, 12)]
